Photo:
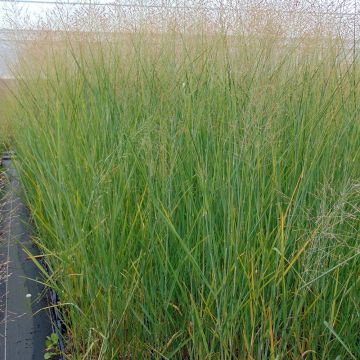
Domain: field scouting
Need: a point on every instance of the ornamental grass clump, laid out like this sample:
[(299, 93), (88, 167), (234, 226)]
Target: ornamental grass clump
[(196, 196)]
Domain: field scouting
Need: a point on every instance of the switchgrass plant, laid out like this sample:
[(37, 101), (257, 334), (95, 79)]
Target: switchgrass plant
[(197, 196)]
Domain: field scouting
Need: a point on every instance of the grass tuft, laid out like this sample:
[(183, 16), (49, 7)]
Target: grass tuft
[(197, 197)]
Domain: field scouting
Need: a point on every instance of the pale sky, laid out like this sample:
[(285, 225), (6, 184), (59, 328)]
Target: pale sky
[(32, 11)]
